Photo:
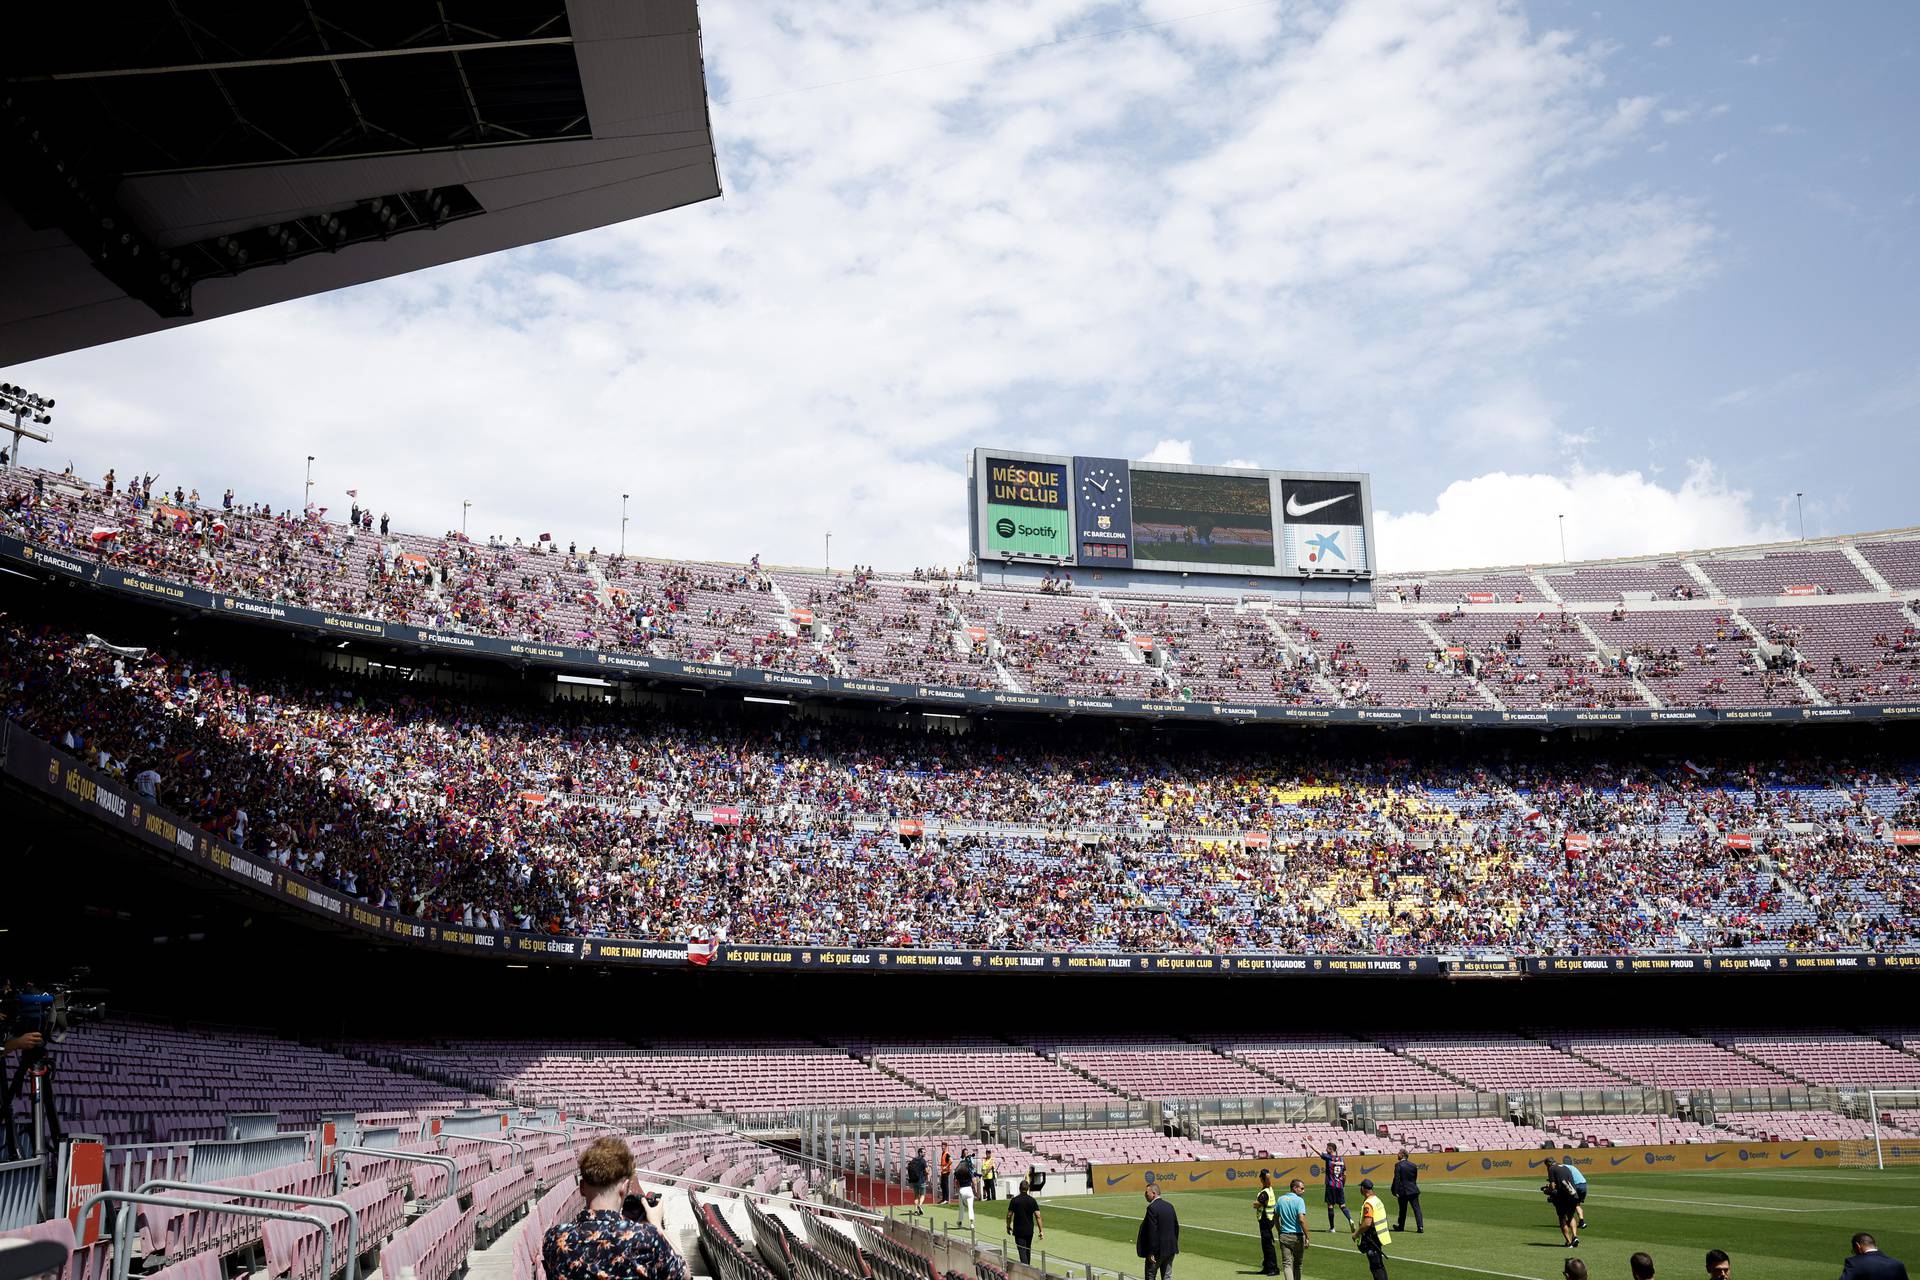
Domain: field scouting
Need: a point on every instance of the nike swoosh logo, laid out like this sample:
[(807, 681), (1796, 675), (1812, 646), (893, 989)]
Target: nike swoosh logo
[(1296, 508), (1366, 1169), (1535, 1164), (1788, 1155), (1463, 1164), (1711, 1156), (1617, 1161), (1195, 1177), (1122, 1178)]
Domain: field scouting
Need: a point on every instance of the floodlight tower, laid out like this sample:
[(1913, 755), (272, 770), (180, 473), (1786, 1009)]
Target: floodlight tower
[(25, 407)]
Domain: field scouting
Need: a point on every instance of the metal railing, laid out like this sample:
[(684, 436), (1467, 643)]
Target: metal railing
[(238, 1157), (409, 1157), (944, 1248), (519, 1151), (20, 1185), (123, 1222), (284, 1197)]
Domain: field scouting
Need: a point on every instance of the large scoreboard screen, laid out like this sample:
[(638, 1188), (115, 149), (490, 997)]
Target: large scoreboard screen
[(1047, 509)]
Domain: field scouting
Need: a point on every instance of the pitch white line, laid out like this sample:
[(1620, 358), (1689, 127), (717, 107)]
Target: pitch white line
[(1396, 1258), (1687, 1200)]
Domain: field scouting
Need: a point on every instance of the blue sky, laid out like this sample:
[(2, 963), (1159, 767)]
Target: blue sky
[(1651, 266)]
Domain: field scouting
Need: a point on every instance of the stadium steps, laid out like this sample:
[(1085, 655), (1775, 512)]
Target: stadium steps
[(1763, 644), (1128, 650), (1908, 613), (786, 615), (1258, 1070), (601, 588), (1865, 566), (1738, 1052), (1545, 588), (1442, 643), (1607, 654), (1302, 655), (1401, 1051), (1699, 575)]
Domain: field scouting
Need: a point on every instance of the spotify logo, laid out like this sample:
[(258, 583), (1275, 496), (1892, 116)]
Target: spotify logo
[(1003, 527)]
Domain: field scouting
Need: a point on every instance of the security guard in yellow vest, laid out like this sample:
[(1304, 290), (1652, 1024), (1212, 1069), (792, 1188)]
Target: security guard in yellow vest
[(1372, 1235), (1264, 1206)]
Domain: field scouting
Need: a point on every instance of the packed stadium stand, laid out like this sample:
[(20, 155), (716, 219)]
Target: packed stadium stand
[(1041, 845), (1804, 625)]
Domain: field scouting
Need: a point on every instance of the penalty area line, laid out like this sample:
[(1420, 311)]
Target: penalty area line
[(1612, 1196), (1248, 1235)]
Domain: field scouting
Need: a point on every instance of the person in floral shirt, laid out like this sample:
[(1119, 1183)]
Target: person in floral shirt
[(603, 1243)]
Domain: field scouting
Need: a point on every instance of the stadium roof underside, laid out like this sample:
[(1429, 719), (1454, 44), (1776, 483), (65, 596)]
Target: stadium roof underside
[(204, 158)]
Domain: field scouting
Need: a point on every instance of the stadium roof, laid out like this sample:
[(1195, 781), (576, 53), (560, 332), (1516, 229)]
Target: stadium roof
[(207, 158)]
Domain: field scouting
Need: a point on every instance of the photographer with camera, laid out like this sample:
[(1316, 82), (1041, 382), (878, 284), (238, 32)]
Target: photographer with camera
[(24, 1039), (1562, 1195), (617, 1236)]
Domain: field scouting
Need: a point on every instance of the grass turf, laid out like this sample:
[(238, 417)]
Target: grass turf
[(1775, 1225)]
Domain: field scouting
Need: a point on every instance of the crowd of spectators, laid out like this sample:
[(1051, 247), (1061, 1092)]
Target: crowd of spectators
[(508, 812), (941, 626)]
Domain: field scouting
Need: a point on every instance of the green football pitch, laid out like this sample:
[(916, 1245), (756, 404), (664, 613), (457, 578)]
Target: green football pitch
[(1775, 1226)]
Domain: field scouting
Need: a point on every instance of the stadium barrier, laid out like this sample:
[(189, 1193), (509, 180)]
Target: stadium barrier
[(1218, 1175), (37, 765), (558, 657)]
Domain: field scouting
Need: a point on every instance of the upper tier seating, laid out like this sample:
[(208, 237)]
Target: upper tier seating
[(1062, 638)]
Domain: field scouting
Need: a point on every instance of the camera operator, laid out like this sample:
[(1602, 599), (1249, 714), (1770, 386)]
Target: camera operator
[(616, 1237), (17, 1041)]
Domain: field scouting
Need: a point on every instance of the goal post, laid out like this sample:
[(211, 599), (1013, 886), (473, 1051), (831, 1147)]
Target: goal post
[(1892, 1139)]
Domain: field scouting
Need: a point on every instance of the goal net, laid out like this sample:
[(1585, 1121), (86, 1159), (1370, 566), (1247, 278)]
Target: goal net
[(1891, 1136)]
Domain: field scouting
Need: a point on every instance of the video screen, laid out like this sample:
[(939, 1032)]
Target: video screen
[(1201, 519)]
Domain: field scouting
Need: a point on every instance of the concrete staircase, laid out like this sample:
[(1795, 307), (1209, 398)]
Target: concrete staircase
[(1440, 642)]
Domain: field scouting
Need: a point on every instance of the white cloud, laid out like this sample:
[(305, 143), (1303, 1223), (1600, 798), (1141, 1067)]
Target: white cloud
[(1269, 232), (1663, 42), (1514, 417), (1177, 451), (1760, 393), (1505, 519)]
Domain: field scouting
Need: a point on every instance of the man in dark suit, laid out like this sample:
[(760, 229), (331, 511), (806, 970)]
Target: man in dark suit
[(1406, 1189), (1159, 1237), (1868, 1263)]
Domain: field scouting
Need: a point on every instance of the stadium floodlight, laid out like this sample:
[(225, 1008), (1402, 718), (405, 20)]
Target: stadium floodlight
[(1800, 507), (25, 407), (623, 524), (307, 504)]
